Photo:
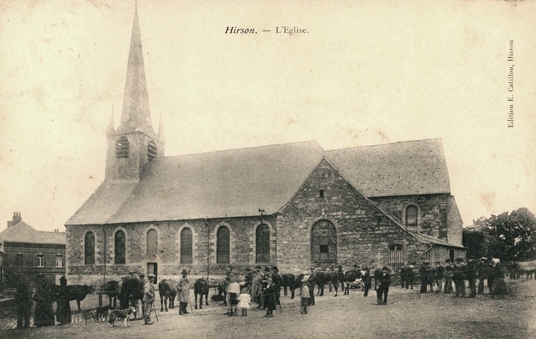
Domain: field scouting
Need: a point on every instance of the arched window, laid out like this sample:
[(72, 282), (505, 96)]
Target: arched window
[(262, 243), (89, 248), (186, 246), (411, 216), (121, 148), (324, 242), (152, 244), (119, 247), (151, 150), (222, 246)]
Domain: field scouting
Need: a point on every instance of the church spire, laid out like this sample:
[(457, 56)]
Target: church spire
[(111, 128), (136, 115)]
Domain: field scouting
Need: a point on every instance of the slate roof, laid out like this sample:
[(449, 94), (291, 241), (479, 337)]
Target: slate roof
[(227, 183), (24, 233), (402, 168), (238, 182), (434, 241)]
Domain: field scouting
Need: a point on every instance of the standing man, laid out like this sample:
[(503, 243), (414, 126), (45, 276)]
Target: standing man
[(410, 275), (423, 270), (482, 272), (439, 276), (403, 278), (383, 289), (256, 287), (148, 298), (459, 277), (23, 298), (312, 281), (449, 271), (277, 280), (367, 281), (63, 305), (471, 276), (183, 288)]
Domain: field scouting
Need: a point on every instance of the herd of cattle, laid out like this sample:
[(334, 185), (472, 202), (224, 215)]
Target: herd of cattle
[(131, 289)]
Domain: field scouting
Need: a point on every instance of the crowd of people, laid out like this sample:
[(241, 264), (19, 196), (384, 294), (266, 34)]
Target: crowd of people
[(462, 273)]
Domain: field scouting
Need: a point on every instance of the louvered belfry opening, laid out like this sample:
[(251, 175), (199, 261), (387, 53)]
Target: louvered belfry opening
[(121, 148), (152, 151)]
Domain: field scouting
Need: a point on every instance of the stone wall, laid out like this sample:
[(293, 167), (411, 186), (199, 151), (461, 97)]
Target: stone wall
[(431, 215), (364, 233), (242, 247)]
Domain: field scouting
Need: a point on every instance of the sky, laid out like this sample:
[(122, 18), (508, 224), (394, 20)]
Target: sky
[(364, 73)]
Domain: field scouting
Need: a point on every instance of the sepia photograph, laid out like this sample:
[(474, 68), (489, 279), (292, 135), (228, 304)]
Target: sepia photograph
[(291, 169)]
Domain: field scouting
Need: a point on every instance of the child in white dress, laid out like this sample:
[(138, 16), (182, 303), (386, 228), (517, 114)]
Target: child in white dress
[(244, 299)]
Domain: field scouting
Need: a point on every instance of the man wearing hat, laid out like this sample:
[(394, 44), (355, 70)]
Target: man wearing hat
[(312, 281), (459, 277), (383, 289), (277, 280), (482, 271), (183, 288), (423, 270), (449, 271), (148, 298)]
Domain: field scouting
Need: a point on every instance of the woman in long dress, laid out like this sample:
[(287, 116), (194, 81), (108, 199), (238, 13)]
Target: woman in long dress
[(44, 297), (499, 286)]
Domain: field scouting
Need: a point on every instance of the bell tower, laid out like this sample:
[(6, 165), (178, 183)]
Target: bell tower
[(134, 144)]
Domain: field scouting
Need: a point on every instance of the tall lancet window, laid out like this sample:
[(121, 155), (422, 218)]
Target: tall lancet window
[(89, 248), (119, 247), (324, 242), (152, 244), (222, 246), (262, 242), (151, 150), (186, 246), (121, 148)]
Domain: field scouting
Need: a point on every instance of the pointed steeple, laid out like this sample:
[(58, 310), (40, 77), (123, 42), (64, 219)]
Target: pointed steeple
[(136, 115), (161, 129), (111, 128)]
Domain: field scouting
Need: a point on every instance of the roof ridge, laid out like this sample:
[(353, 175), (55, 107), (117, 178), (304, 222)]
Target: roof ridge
[(389, 143), (244, 148)]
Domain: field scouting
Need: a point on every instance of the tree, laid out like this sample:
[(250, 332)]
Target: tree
[(514, 233)]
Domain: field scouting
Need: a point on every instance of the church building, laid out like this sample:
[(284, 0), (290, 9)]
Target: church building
[(290, 205)]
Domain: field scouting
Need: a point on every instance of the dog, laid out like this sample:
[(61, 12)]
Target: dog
[(121, 314), (87, 316), (102, 313)]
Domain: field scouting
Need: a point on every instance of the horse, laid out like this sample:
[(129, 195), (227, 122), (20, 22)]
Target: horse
[(111, 289), (201, 288), (288, 280), (168, 291), (222, 291), (78, 293)]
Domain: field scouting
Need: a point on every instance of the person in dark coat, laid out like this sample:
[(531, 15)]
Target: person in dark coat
[(268, 292), (439, 276), (367, 281), (423, 270), (459, 277), (482, 271), (410, 275), (383, 289), (471, 274), (312, 281), (403, 278), (277, 280), (63, 303), (44, 297), (449, 273), (23, 298), (377, 275)]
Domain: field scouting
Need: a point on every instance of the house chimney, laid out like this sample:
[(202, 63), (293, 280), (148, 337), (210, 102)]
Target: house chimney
[(16, 219)]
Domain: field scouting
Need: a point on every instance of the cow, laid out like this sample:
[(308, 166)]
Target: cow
[(131, 289), (222, 291), (288, 280), (352, 279), (78, 293), (201, 288), (168, 291), (111, 289)]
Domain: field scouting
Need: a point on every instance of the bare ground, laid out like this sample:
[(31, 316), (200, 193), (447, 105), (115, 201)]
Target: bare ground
[(407, 315)]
